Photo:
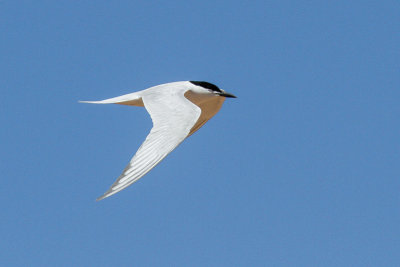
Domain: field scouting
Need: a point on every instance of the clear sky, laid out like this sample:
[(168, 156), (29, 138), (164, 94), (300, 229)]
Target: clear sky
[(302, 169)]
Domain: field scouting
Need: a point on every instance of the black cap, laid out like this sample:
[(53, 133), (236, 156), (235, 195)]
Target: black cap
[(207, 85)]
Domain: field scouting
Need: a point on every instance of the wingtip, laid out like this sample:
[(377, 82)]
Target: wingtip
[(102, 197), (105, 195)]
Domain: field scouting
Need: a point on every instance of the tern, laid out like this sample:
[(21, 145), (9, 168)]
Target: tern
[(177, 109)]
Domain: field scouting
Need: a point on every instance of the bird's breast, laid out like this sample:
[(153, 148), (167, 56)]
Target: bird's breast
[(197, 98)]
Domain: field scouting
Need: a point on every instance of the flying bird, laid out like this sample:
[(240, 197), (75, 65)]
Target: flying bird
[(177, 109)]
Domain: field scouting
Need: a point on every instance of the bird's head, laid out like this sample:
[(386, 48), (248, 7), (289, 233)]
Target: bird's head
[(209, 88)]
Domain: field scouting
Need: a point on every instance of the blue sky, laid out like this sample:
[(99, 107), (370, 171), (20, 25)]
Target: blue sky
[(302, 169)]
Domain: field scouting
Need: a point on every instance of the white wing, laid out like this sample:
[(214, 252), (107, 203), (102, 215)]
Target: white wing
[(173, 117)]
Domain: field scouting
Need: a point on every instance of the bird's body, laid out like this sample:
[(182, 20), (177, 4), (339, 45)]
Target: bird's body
[(177, 109)]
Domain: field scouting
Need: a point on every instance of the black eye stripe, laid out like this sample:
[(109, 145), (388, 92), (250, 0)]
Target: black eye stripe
[(207, 85)]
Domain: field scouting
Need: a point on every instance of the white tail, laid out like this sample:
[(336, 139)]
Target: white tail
[(98, 102), (133, 99)]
